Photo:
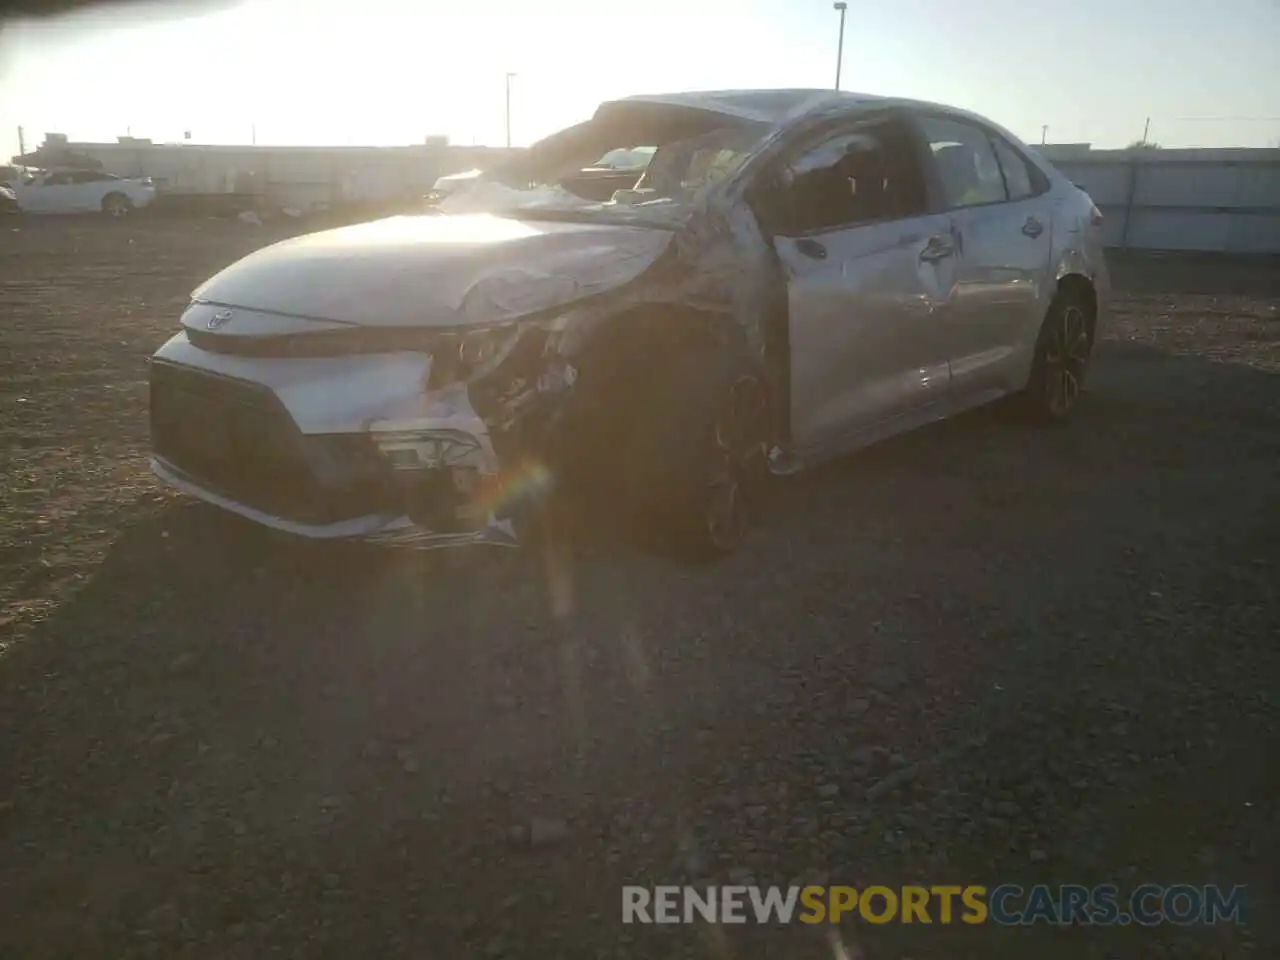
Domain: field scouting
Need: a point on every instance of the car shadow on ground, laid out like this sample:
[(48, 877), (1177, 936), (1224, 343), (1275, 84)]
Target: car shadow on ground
[(211, 681)]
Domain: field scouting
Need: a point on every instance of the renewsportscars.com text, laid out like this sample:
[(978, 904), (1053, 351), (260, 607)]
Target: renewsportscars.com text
[(1007, 905)]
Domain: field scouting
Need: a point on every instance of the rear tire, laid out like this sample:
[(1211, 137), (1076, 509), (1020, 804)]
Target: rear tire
[(117, 205), (1062, 354)]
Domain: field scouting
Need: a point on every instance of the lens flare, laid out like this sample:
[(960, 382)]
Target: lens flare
[(521, 488)]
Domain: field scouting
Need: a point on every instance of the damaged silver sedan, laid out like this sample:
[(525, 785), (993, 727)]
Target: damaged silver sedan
[(794, 274)]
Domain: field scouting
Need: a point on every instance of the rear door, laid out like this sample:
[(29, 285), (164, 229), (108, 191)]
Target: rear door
[(1004, 232), (869, 274)]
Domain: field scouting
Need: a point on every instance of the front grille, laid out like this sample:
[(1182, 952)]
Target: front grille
[(322, 343), (236, 439)]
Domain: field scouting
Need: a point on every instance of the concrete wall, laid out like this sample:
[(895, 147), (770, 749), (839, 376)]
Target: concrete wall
[(1218, 201), (303, 177)]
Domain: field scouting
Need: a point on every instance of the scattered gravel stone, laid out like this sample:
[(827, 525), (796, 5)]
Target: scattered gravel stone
[(889, 679), (164, 920), (547, 830), (864, 756), (898, 778)]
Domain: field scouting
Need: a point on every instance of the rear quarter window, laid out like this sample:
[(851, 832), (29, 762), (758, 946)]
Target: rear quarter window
[(1023, 178)]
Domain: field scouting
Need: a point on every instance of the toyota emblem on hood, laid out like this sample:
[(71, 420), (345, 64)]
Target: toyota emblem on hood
[(218, 319)]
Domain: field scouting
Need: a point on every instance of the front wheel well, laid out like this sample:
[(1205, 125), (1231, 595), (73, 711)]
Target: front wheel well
[(627, 366), (121, 199), (1079, 286), (651, 331)]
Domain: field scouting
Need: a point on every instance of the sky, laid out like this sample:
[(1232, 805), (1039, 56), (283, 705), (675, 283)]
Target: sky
[(396, 71)]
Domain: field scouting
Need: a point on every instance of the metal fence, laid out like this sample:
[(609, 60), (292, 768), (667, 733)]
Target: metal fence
[(1213, 201)]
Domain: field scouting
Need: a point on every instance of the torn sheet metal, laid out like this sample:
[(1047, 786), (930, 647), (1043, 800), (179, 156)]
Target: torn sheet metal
[(404, 533), (734, 262), (448, 437), (446, 432)]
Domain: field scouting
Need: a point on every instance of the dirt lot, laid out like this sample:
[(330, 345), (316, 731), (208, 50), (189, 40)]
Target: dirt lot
[(220, 745)]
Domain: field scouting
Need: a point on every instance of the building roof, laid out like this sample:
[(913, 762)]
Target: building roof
[(58, 155)]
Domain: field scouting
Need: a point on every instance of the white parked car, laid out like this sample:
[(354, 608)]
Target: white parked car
[(451, 183), (82, 191)]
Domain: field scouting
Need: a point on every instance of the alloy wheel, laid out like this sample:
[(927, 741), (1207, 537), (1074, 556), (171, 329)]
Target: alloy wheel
[(1066, 354)]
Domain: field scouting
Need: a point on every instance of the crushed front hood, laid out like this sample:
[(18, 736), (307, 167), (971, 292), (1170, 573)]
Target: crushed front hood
[(436, 270)]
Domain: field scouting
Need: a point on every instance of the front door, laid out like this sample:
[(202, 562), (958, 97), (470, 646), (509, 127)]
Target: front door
[(869, 275)]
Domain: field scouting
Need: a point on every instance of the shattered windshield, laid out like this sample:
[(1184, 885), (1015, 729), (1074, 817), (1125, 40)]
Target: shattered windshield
[(687, 152), (626, 158)]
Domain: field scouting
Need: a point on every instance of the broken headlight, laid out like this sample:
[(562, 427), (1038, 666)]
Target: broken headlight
[(474, 353), (477, 348)]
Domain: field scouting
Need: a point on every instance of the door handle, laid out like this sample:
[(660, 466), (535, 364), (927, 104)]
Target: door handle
[(938, 248), (811, 248), (1033, 227)]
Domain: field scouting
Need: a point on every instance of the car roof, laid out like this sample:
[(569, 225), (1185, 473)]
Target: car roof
[(783, 107), (767, 106)]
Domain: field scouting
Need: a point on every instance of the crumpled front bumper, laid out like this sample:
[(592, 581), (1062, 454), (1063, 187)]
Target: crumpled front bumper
[(374, 528), (333, 448)]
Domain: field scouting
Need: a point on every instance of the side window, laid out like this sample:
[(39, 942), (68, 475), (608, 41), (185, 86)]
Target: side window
[(966, 162), (1018, 175), (57, 180), (855, 177), (88, 176)]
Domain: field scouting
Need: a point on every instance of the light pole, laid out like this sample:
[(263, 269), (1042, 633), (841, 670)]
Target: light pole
[(509, 76), (842, 7)]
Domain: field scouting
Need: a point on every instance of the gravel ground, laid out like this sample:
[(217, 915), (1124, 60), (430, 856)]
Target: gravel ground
[(1060, 646)]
